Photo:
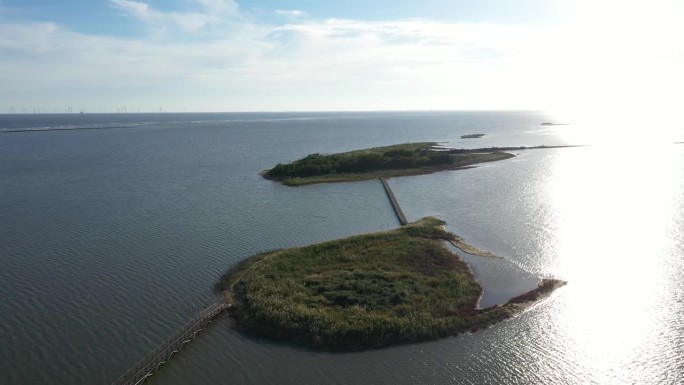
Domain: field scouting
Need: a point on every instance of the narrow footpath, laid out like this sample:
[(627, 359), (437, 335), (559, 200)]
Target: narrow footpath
[(395, 204), (148, 365)]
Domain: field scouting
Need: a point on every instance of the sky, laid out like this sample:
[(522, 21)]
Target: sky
[(590, 56)]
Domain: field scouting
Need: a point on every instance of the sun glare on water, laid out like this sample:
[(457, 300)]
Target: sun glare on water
[(616, 206)]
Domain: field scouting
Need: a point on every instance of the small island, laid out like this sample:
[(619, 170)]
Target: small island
[(363, 292), (472, 136), (389, 161)]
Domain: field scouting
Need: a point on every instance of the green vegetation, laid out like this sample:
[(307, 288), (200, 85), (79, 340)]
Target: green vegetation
[(472, 136), (389, 161), (361, 292)]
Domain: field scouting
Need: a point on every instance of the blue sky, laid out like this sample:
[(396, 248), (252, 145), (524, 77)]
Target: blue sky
[(97, 17), (282, 55)]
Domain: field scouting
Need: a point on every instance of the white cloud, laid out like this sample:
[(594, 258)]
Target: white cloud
[(306, 64), (213, 14), (50, 66), (327, 64), (136, 8), (291, 13), (419, 62)]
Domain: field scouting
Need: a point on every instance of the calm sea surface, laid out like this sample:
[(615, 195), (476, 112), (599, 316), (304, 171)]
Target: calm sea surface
[(113, 229)]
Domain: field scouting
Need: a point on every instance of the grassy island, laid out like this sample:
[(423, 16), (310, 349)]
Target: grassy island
[(363, 292), (388, 161)]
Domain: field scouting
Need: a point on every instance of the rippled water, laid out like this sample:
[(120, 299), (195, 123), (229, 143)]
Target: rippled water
[(111, 238)]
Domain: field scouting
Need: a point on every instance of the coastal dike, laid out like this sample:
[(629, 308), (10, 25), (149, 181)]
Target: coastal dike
[(148, 365), (395, 204)]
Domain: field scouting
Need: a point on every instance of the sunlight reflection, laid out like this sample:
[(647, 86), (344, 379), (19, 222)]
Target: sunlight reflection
[(614, 208), (631, 128)]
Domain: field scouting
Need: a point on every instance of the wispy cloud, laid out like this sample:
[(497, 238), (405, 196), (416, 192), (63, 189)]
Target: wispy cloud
[(300, 65), (136, 8), (216, 57), (212, 14), (220, 6), (290, 13)]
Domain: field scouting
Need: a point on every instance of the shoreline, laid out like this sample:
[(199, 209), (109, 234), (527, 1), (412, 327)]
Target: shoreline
[(447, 159), (299, 308), (522, 302), (377, 289), (360, 177), (461, 244)]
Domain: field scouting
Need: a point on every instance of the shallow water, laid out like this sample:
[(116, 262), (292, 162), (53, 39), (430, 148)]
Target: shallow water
[(111, 238)]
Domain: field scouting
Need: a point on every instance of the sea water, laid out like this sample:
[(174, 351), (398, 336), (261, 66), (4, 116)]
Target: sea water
[(113, 229)]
